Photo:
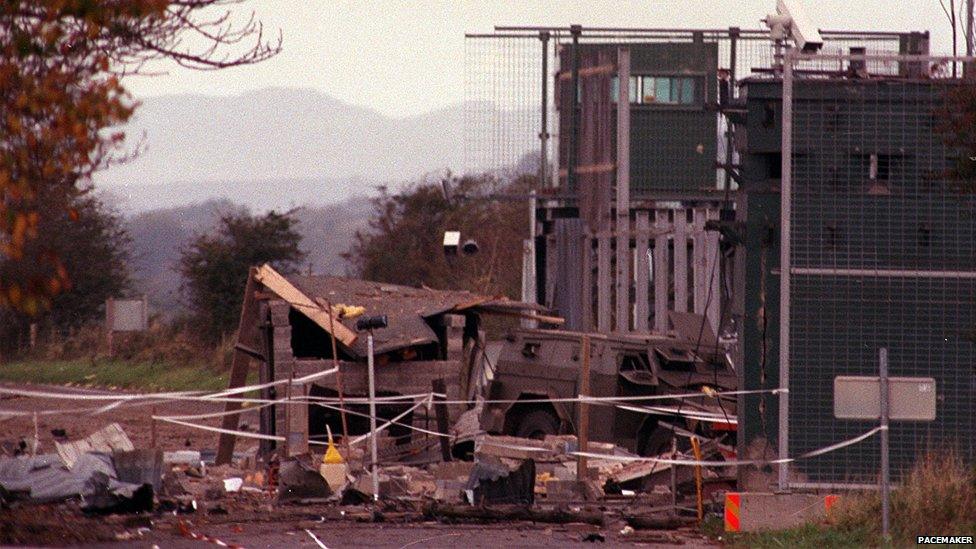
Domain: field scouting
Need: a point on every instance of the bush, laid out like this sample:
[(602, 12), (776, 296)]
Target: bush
[(937, 497), (173, 343)]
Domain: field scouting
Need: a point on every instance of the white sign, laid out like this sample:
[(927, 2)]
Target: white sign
[(909, 398), (126, 315)]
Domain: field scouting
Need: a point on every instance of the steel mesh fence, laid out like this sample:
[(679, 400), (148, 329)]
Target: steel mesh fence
[(675, 150), (503, 103), (882, 254)]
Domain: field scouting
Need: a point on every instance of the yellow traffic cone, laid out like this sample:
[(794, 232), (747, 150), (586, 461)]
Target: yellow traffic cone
[(333, 468)]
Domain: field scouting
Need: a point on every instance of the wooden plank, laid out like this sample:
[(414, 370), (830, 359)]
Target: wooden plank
[(641, 271), (603, 282), (680, 261), (623, 193), (662, 271), (548, 319), (584, 409), (443, 420), (240, 362), (713, 311), (699, 261), (304, 304)]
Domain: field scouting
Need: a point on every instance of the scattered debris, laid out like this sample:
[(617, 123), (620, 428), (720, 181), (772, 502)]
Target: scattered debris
[(109, 439), (298, 480)]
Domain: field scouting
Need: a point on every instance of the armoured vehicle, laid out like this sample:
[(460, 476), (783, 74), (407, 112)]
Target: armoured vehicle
[(536, 370)]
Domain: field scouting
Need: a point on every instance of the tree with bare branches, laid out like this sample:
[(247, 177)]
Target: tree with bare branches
[(61, 64)]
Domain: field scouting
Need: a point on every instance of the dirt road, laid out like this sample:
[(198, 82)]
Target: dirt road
[(134, 419)]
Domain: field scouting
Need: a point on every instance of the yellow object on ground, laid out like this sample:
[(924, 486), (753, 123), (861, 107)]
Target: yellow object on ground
[(333, 468), (331, 454)]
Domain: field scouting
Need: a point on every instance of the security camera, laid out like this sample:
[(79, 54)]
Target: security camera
[(452, 240), (372, 323), (470, 247), (791, 18)]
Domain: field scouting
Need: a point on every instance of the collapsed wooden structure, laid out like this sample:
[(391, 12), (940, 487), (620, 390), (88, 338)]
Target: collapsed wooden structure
[(295, 326)]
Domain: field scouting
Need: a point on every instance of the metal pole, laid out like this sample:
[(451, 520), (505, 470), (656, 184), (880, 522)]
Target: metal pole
[(885, 481), (338, 369), (786, 186), (970, 37), (584, 410), (372, 415), (544, 129), (575, 30)]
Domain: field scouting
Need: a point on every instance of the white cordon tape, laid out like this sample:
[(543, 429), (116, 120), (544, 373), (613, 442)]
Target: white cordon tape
[(220, 430), (360, 414), (159, 398), (217, 414), (580, 398), (297, 381), (690, 414), (736, 463), (359, 439), (246, 434)]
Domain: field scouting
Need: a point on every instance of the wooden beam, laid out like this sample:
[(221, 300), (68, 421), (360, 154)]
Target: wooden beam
[(524, 314), (584, 409), (603, 283), (623, 192), (443, 419), (246, 332), (586, 295), (302, 303)]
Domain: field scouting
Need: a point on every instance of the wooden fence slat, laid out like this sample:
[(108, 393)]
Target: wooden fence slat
[(641, 272), (680, 261), (662, 271), (699, 262), (715, 281)]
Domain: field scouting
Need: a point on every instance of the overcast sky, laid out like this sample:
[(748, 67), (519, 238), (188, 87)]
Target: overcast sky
[(404, 57)]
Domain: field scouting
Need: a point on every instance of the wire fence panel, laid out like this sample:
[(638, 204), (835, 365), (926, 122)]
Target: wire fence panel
[(676, 146), (503, 103), (882, 254)]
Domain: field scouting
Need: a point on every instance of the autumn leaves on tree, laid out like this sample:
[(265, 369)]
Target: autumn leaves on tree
[(61, 86)]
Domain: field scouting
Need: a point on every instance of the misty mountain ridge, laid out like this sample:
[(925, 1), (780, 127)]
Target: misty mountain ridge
[(275, 147)]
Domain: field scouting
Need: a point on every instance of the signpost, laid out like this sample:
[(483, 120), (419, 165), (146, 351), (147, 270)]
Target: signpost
[(884, 398), (125, 315)]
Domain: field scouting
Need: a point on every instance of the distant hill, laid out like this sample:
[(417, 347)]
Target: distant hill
[(158, 236), (274, 147)]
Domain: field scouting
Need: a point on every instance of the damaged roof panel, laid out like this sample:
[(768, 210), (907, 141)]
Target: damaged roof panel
[(408, 309)]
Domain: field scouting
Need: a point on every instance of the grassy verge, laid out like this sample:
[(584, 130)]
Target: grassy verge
[(136, 375), (938, 497)]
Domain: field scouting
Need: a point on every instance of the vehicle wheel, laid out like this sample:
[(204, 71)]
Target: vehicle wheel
[(537, 424)]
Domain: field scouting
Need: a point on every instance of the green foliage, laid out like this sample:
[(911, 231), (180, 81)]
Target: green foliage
[(60, 67), (143, 375), (92, 247), (938, 497), (215, 267), (404, 242), (808, 536)]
